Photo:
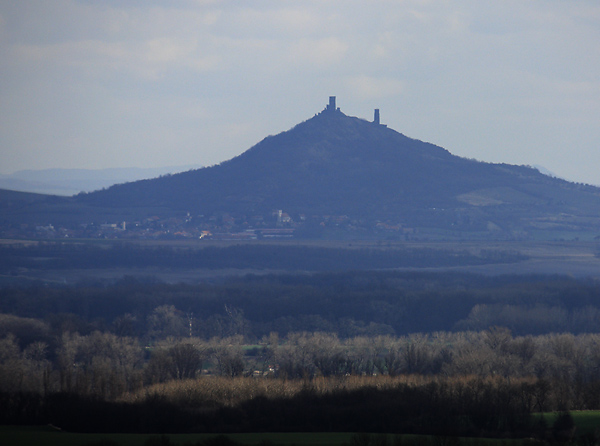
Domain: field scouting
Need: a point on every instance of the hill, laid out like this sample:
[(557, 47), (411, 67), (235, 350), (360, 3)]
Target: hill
[(362, 175)]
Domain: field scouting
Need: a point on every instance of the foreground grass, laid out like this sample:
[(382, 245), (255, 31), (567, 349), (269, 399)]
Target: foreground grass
[(586, 421), (47, 436)]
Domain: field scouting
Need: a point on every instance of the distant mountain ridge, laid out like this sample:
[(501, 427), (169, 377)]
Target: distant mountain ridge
[(362, 173), (73, 181)]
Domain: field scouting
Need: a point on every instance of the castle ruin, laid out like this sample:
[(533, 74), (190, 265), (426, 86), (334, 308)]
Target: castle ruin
[(331, 107)]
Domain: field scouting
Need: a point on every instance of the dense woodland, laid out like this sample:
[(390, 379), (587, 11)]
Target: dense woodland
[(447, 354), (346, 303)]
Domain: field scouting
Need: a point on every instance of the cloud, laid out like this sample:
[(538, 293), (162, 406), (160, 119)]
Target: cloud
[(368, 87), (317, 53), (276, 22), (146, 59)]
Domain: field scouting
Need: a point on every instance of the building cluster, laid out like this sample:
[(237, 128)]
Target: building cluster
[(275, 225)]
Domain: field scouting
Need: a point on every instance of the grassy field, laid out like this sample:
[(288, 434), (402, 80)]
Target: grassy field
[(586, 422), (47, 436)]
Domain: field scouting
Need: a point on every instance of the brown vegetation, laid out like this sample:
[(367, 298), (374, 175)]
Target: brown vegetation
[(115, 367)]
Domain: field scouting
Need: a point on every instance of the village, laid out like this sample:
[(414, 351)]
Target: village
[(275, 225)]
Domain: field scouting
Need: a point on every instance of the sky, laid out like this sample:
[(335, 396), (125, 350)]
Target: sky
[(147, 83)]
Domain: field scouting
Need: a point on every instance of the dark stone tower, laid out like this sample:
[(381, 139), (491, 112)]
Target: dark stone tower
[(331, 106), (376, 118)]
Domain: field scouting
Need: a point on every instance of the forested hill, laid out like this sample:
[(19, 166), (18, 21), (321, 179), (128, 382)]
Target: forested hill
[(334, 164), (338, 165), (331, 163)]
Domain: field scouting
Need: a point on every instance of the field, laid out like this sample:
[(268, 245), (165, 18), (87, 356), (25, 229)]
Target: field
[(47, 436), (586, 423), (574, 258)]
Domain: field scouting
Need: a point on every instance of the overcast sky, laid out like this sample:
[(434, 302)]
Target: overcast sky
[(147, 83)]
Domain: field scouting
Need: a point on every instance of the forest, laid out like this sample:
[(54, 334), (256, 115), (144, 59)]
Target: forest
[(360, 351), (348, 303), (466, 383)]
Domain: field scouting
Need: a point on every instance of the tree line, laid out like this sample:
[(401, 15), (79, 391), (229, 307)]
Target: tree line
[(465, 383), (107, 365), (355, 303)]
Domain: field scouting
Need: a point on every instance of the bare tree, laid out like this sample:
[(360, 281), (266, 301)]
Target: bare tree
[(391, 362), (100, 364), (497, 338), (416, 355), (294, 357), (167, 321), (39, 368), (11, 365), (228, 355), (187, 358), (362, 352), (237, 324), (328, 354)]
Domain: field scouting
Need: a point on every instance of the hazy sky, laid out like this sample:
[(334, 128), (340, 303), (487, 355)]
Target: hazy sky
[(146, 83)]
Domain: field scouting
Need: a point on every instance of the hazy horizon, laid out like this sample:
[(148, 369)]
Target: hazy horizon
[(67, 182)]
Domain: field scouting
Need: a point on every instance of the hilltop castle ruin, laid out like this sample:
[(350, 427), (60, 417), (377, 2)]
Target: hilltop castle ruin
[(331, 108)]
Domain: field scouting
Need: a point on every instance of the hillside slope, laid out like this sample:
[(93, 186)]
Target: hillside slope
[(334, 164)]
